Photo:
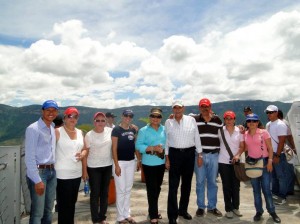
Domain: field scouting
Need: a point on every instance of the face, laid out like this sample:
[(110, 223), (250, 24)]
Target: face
[(49, 114), (127, 118), (205, 110), (99, 122), (247, 112), (110, 120), (155, 119), (252, 124), (178, 111), (272, 115), (71, 119), (229, 121)]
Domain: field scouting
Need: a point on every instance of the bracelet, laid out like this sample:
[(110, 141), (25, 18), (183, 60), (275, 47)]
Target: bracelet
[(270, 159)]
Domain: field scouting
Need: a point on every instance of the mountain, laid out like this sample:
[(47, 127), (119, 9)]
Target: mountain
[(14, 120)]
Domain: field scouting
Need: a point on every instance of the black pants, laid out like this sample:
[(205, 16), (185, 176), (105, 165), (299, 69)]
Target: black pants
[(231, 187), (67, 193), (99, 179), (154, 177), (181, 166)]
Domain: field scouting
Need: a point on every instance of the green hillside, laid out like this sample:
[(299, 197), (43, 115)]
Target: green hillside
[(14, 120)]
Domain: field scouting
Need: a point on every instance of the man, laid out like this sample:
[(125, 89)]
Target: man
[(278, 131), (208, 126), (182, 142), (40, 144), (110, 117)]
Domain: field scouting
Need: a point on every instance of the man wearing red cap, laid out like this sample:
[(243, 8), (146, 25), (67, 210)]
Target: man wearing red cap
[(208, 125)]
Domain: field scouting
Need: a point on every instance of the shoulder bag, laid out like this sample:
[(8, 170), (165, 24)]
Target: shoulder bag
[(239, 168)]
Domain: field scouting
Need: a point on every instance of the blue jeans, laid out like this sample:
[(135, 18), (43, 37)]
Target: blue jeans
[(263, 184), (207, 173), (281, 177), (41, 206)]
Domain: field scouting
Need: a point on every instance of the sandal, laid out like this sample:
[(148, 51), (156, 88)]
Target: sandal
[(153, 222), (159, 216), (123, 221), (130, 220)]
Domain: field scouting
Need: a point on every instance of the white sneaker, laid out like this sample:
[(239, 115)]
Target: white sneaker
[(280, 201), (229, 215), (237, 212), (274, 197)]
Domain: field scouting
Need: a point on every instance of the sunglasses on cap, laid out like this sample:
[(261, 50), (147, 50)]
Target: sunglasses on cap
[(252, 121), (98, 121), (72, 116), (270, 112), (155, 116), (128, 115)]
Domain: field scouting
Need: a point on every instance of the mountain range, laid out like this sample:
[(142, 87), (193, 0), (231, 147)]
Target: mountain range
[(14, 120)]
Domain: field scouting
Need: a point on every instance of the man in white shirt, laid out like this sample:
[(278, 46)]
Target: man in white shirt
[(182, 143)]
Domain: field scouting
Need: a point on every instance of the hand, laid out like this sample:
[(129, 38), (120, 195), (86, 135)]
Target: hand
[(199, 161), (276, 160), (242, 129), (269, 166), (167, 164), (138, 165), (39, 188), (118, 171), (235, 159), (79, 156), (85, 175), (134, 127)]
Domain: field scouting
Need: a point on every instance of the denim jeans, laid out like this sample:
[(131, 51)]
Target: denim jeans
[(207, 174), (263, 184), (41, 206), (99, 179), (281, 177)]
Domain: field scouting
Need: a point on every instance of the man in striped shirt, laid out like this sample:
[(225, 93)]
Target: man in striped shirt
[(208, 125)]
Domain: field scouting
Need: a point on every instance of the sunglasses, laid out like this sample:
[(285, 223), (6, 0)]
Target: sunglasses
[(72, 116), (228, 119), (270, 112), (156, 116), (97, 121), (251, 121), (128, 115)]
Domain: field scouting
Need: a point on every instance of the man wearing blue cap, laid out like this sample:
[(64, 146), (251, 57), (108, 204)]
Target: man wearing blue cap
[(40, 144)]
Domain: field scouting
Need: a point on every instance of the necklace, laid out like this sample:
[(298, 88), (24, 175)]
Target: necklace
[(69, 129)]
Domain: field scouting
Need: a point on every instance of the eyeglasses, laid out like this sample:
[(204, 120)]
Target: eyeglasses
[(128, 115), (72, 116), (270, 112), (156, 116), (251, 121), (97, 121)]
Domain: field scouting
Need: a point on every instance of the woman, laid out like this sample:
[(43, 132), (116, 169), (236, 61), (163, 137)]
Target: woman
[(258, 144), (98, 166), (150, 143), (123, 149), (231, 185), (70, 151)]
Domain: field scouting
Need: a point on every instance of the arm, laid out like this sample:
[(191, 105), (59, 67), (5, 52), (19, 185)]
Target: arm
[(115, 155), (270, 154)]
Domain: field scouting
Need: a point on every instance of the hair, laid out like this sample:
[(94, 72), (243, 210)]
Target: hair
[(280, 114)]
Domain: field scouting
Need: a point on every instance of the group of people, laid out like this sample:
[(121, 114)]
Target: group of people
[(58, 158)]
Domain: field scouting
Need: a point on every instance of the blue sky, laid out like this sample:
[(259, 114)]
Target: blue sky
[(110, 54)]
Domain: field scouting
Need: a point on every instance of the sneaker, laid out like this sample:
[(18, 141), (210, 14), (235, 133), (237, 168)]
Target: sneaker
[(275, 217), (200, 212), (280, 201), (229, 215), (275, 197), (257, 216), (237, 212), (215, 212)]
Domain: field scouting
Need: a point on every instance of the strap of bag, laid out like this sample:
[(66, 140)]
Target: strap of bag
[(226, 144)]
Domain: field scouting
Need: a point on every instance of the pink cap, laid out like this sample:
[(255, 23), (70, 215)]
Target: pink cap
[(99, 113)]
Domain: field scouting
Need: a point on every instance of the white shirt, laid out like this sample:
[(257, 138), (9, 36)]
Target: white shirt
[(182, 135), (276, 128), (99, 144), (233, 143)]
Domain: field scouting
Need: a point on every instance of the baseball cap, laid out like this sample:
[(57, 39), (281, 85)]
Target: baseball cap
[(127, 112), (71, 110), (247, 108), (230, 114), (204, 102), (156, 110), (252, 117), (48, 104), (177, 103), (109, 114), (271, 108), (99, 113)]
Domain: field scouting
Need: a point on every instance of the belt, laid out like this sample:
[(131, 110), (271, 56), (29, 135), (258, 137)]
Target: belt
[(183, 149), (211, 151), (45, 166)]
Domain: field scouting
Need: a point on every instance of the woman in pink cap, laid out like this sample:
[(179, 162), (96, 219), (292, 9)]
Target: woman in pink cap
[(70, 151)]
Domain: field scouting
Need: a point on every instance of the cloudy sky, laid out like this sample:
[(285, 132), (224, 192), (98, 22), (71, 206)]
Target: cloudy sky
[(118, 53)]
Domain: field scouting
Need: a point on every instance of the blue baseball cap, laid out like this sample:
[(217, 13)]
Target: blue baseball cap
[(50, 103), (127, 112), (252, 117)]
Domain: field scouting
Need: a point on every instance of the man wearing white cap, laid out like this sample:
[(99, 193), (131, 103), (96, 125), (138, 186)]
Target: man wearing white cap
[(278, 131), (183, 141)]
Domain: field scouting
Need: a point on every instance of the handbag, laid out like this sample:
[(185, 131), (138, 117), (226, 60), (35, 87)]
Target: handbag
[(289, 152), (239, 168), (254, 166)]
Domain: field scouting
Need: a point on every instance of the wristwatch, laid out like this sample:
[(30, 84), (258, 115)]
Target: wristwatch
[(200, 155)]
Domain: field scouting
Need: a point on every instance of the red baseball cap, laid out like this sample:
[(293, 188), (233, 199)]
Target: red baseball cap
[(204, 102), (230, 114), (71, 110)]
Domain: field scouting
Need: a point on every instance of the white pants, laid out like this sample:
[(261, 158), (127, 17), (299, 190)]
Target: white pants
[(123, 188)]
